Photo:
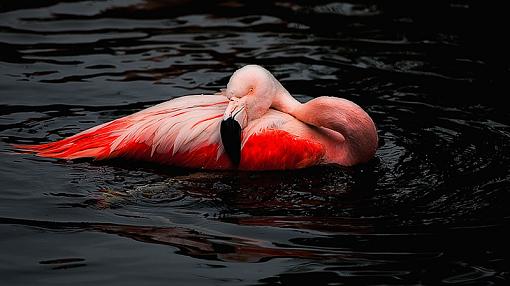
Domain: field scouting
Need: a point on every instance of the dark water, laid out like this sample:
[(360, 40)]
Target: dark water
[(432, 208)]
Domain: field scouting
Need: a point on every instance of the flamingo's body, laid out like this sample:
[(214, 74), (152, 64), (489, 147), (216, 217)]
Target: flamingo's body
[(277, 133)]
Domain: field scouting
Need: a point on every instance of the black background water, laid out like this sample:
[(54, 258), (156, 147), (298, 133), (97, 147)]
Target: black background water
[(431, 208)]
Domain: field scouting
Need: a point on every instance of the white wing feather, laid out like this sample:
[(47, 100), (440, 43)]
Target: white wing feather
[(179, 125)]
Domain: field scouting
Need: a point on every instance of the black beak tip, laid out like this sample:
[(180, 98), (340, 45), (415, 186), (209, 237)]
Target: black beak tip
[(230, 132)]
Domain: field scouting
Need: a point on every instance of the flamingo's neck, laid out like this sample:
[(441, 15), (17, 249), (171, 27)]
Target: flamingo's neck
[(348, 132), (285, 102)]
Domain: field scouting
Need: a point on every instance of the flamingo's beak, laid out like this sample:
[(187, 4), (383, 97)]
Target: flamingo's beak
[(234, 120)]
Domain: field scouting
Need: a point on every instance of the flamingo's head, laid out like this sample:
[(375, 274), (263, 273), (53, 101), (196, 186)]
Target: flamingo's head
[(251, 90)]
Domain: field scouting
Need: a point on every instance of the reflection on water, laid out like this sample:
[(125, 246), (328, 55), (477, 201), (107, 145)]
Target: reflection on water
[(440, 176)]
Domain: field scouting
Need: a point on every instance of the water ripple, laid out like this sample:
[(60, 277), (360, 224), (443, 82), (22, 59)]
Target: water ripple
[(440, 176)]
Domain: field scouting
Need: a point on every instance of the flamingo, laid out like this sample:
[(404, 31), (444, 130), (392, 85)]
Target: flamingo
[(253, 124)]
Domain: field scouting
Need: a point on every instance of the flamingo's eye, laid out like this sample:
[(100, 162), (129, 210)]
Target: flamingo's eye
[(251, 89)]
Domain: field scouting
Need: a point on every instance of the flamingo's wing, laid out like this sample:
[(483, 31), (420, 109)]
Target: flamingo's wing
[(165, 133)]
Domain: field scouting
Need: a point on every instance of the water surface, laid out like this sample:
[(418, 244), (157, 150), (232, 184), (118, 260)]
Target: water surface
[(430, 209)]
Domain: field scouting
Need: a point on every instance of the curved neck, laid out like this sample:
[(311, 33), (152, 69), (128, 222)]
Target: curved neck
[(285, 102), (358, 139)]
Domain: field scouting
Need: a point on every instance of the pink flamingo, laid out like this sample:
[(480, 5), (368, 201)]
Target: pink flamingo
[(253, 124)]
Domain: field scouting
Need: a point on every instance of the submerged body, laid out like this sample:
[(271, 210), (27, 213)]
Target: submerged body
[(277, 132)]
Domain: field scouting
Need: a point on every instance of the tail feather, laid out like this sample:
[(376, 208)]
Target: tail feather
[(92, 143)]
